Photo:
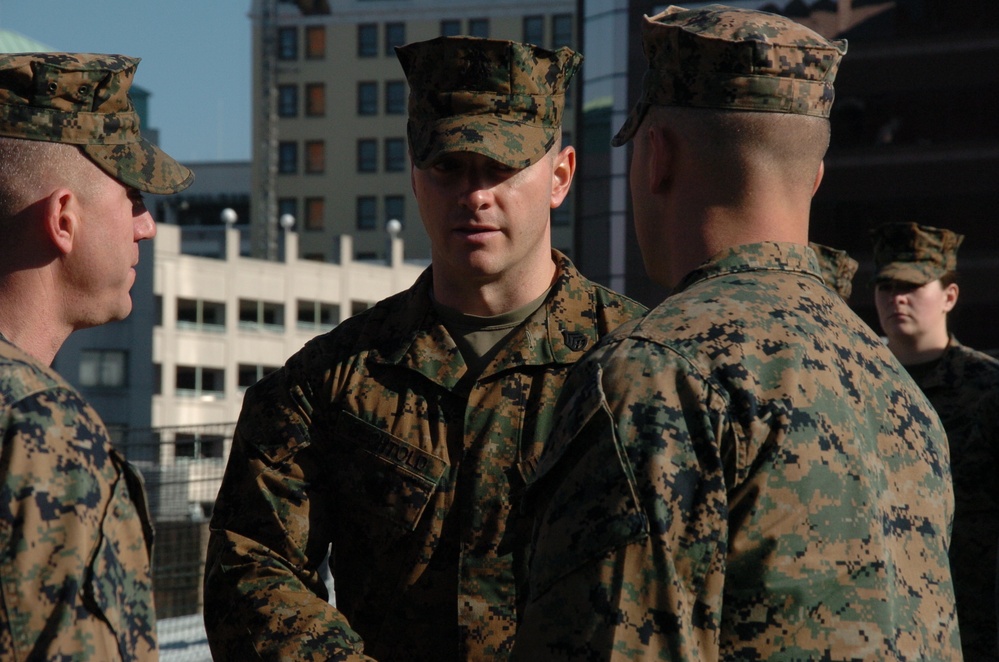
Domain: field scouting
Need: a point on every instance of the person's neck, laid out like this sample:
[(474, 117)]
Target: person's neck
[(495, 296), (912, 350), (31, 325), (715, 229)]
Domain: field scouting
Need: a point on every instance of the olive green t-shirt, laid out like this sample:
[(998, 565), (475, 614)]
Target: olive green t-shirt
[(479, 338)]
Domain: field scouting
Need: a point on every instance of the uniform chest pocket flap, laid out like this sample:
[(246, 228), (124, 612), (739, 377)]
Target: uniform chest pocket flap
[(387, 477)]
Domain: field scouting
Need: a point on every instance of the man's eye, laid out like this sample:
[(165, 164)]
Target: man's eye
[(445, 165), (503, 169)]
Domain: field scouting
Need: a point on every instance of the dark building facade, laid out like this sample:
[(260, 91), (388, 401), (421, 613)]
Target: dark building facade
[(915, 138)]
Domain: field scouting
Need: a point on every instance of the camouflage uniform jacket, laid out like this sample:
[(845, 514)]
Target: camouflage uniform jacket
[(745, 474), (75, 536), (371, 439), (963, 386)]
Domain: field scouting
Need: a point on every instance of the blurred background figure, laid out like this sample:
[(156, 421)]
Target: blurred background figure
[(915, 289)]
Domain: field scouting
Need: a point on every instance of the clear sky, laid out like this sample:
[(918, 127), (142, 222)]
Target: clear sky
[(196, 61)]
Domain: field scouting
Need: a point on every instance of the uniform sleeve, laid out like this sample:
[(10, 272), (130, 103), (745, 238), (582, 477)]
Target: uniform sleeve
[(628, 549), (264, 598), (75, 579)]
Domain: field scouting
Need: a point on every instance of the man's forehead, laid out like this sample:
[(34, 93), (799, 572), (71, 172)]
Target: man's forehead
[(470, 159)]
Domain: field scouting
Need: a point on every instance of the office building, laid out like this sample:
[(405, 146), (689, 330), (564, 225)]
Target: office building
[(330, 103)]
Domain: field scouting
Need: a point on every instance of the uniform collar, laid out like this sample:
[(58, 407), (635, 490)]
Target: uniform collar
[(410, 333), (763, 256)]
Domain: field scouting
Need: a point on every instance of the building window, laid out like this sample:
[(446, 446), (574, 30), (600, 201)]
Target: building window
[(287, 43), (315, 99), (395, 155), (395, 207), (287, 158), (367, 98), (534, 30), (249, 375), (261, 315), (395, 97), (367, 40), (561, 30), (315, 157), (366, 212), (478, 27), (288, 206), (317, 315), (197, 445), (315, 42), (104, 367), (201, 315), (287, 100), (315, 213), (450, 27), (367, 155), (395, 35), (196, 381)]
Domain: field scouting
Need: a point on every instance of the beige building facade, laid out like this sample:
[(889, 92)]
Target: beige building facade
[(330, 104)]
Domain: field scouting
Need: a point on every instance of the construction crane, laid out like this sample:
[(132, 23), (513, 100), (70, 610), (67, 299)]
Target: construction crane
[(264, 228)]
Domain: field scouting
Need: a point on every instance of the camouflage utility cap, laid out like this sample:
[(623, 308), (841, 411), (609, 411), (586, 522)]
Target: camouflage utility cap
[(735, 59), (82, 99), (838, 268), (498, 98), (913, 253)]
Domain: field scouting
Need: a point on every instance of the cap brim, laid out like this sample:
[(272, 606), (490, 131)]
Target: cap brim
[(906, 272), (141, 165), (513, 144)]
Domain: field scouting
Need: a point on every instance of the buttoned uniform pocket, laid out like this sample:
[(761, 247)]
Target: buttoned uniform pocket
[(388, 478)]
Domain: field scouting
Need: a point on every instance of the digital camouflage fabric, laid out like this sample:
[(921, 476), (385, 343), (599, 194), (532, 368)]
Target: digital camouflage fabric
[(735, 59), (82, 99), (963, 387), (913, 253), (372, 439), (501, 99), (75, 534), (837, 268), (747, 473)]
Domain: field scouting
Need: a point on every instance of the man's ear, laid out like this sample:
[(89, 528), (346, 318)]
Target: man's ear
[(818, 176), (950, 297), (563, 170), (61, 219)]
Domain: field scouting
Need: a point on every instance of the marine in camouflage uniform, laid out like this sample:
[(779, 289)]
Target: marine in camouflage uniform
[(383, 440), (76, 536), (746, 473), (75, 533), (963, 386)]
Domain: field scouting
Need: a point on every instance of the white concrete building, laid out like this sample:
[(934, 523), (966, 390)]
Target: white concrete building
[(169, 380)]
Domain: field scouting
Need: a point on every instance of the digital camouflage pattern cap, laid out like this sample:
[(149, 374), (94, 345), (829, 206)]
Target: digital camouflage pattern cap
[(735, 59), (501, 99), (82, 99), (838, 268), (913, 253)]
